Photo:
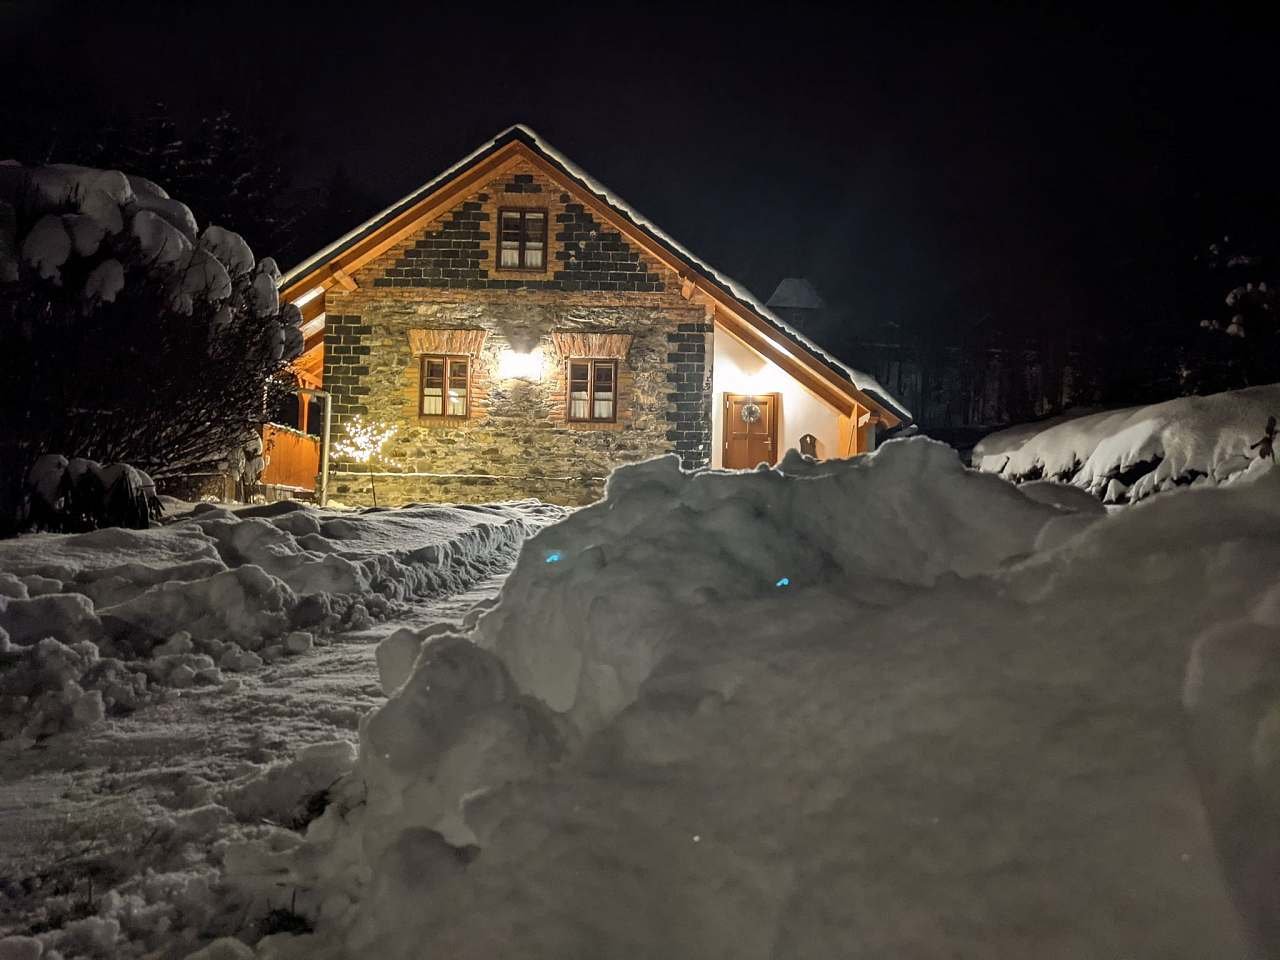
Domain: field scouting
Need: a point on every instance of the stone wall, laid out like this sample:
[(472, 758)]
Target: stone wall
[(516, 440)]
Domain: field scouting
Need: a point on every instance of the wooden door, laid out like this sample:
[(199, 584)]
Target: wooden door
[(750, 430)]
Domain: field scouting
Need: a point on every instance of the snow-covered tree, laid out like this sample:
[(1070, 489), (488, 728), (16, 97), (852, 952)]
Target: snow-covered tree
[(128, 334), (1243, 328)]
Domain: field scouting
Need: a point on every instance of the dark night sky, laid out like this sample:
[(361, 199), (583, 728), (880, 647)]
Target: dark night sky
[(924, 168)]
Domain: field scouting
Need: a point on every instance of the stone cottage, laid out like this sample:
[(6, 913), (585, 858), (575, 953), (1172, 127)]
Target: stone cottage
[(523, 331)]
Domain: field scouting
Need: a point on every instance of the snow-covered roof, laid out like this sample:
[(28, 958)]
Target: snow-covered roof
[(862, 381), (795, 293)]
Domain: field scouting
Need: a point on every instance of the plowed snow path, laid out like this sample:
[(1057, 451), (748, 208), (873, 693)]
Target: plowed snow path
[(78, 810)]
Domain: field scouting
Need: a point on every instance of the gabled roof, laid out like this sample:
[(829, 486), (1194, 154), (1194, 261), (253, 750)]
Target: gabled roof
[(796, 293), (755, 323)]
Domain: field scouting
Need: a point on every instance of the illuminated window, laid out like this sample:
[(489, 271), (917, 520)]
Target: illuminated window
[(522, 240), (446, 387), (593, 390)]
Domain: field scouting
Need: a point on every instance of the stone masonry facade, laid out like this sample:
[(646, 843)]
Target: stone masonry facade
[(516, 440)]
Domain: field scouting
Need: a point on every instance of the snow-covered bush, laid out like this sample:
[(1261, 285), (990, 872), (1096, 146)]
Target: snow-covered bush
[(129, 334), (1122, 456), (80, 494)]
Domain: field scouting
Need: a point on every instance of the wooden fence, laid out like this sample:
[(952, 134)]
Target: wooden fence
[(294, 458)]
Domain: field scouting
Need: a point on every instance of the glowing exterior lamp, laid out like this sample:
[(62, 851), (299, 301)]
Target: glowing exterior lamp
[(514, 365), (553, 557), (784, 582)]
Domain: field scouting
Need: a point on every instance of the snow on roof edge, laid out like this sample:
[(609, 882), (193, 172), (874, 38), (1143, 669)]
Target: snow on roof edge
[(861, 380)]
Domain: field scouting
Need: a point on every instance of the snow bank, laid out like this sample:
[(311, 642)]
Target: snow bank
[(836, 709), (1127, 455), (90, 623)]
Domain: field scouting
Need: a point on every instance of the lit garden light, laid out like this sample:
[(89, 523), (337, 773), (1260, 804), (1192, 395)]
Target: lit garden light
[(553, 557), (783, 582), (362, 443)]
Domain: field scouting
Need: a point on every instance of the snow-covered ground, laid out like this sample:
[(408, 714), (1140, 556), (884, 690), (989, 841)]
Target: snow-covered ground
[(152, 683), (1123, 456), (146, 804), (93, 624), (887, 707)]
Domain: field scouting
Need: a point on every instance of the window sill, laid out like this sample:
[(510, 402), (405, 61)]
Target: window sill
[(592, 425)]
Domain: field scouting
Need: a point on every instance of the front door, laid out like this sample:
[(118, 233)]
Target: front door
[(750, 430)]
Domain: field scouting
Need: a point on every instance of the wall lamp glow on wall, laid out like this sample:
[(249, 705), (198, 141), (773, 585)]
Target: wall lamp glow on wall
[(513, 365)]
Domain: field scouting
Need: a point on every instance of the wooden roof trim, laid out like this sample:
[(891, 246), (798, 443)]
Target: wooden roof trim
[(817, 376), (765, 339), (767, 347), (378, 241)]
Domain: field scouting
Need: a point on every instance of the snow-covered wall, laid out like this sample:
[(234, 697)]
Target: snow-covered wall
[(736, 368)]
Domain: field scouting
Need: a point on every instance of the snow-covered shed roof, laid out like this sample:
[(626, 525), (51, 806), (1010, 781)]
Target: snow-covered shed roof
[(795, 293), (334, 262)]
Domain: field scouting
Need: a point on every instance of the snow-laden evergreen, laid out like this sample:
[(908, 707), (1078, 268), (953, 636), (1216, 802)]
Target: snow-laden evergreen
[(132, 335), (1123, 456)]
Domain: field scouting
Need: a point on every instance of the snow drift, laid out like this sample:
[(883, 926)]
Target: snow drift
[(860, 708), (1126, 455), (89, 622)]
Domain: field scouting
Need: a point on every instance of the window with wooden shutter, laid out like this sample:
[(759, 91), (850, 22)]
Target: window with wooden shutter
[(522, 240), (593, 390), (446, 387)]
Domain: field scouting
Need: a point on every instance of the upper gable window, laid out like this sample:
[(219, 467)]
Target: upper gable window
[(522, 239)]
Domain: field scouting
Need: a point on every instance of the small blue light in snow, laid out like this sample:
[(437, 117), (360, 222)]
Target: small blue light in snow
[(784, 582), (553, 557)]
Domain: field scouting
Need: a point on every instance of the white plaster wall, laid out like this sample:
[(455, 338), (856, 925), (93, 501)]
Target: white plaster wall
[(736, 368)]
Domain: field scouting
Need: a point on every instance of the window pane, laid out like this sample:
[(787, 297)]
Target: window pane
[(457, 402), (533, 226), (604, 376), (533, 255), (433, 401), (433, 373), (510, 255)]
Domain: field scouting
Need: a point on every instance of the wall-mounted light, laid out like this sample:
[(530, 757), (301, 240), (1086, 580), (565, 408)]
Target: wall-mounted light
[(513, 365)]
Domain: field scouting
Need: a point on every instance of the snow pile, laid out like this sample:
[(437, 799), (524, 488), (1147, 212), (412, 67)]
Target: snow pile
[(1123, 456), (835, 709), (90, 623)]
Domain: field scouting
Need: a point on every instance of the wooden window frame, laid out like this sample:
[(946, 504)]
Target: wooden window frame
[(448, 359), (592, 363), (520, 254)]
